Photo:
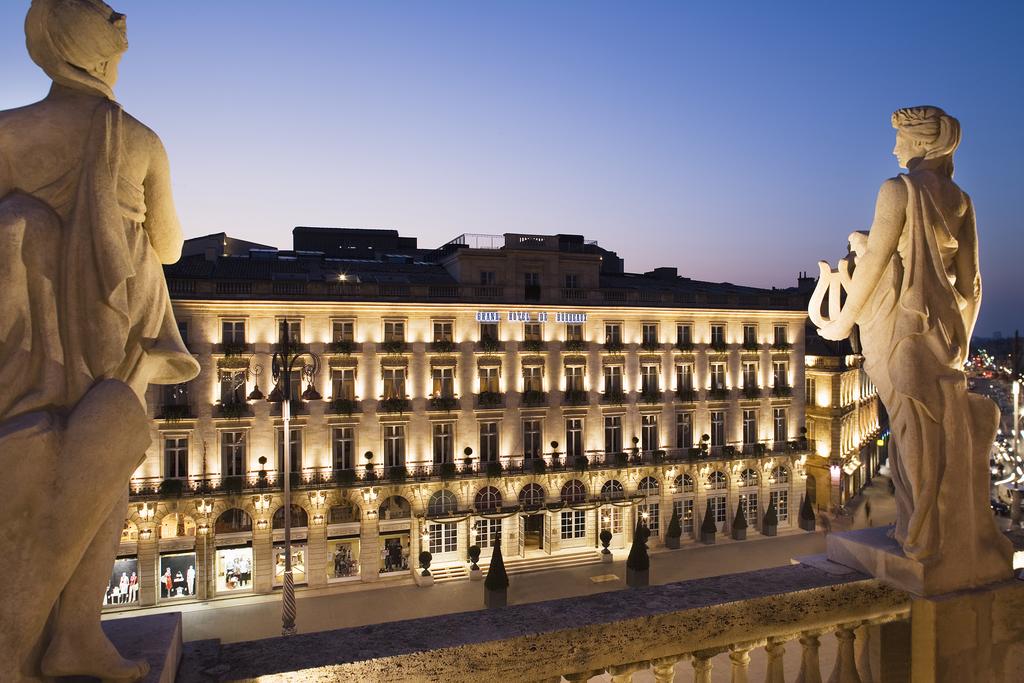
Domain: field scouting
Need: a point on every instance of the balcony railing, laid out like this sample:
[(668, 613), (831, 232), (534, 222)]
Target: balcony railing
[(532, 397), (344, 348), (780, 345), (650, 345), (651, 396), (534, 346), (171, 412), (443, 346), (234, 410), (490, 399), (614, 397), (394, 346), (393, 405), (782, 390), (575, 397), (614, 346), (445, 403), (574, 345), (684, 346), (344, 406), (489, 345), (718, 393), (751, 345), (686, 395), (752, 392), (667, 630)]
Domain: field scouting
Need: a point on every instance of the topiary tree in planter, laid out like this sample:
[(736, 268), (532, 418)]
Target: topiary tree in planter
[(674, 531), (474, 557), (770, 523), (496, 583), (638, 564), (807, 519), (606, 538), (708, 528), (739, 522), (425, 558)]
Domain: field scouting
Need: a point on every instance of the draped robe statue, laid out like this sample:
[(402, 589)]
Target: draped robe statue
[(86, 220), (914, 295)]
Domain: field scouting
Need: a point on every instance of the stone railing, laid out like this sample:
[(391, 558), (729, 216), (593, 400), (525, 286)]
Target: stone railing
[(669, 629)]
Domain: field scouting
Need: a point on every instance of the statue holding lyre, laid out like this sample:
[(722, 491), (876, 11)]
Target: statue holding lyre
[(911, 287)]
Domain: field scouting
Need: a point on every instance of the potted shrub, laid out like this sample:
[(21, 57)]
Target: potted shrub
[(496, 583), (638, 564), (739, 523), (538, 465), (621, 459), (447, 470), (674, 532), (474, 570), (807, 520), (580, 463), (425, 578), (171, 488), (494, 469), (708, 528), (606, 538), (705, 443), (770, 523)]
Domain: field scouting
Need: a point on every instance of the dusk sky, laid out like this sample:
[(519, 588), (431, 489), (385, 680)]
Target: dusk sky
[(739, 142)]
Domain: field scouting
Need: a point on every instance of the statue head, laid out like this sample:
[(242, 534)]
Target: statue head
[(925, 133), (78, 43)]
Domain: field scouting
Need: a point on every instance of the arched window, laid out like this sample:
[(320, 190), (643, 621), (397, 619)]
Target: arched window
[(175, 525), (684, 483), (748, 477), (395, 507), (488, 498), (574, 492), (344, 513), (649, 486), (442, 503), (716, 480), (233, 521), (299, 517), (612, 490), (130, 532), (532, 495), (780, 475)]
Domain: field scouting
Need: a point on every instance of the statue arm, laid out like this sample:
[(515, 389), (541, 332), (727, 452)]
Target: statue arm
[(162, 224), (890, 214), (968, 273)]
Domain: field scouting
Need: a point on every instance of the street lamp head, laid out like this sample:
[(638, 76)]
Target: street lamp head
[(311, 394), (276, 396)]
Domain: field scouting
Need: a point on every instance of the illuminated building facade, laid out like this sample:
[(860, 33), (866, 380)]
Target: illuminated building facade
[(514, 389), (844, 422)]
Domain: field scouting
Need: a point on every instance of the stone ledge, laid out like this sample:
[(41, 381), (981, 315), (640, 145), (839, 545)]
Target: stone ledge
[(548, 639), (155, 638)]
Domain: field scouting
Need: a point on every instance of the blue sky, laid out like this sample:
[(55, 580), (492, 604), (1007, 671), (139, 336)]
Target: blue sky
[(739, 142)]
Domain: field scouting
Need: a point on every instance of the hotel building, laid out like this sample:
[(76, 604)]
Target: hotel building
[(514, 389)]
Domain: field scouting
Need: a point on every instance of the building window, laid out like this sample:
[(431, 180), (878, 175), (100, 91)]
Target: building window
[(717, 481), (533, 378), (810, 390), (613, 380), (684, 508), (343, 383), (442, 537), (532, 439), (649, 432), (718, 335), (613, 434), (574, 524), (781, 500), (612, 490), (294, 450), (343, 330), (572, 281), (394, 383), (611, 519), (749, 426), (443, 379), (780, 420), (780, 475), (684, 377), (489, 332), (781, 335), (489, 379), (574, 492), (232, 332), (574, 437), (444, 445), (487, 498), (650, 513), (443, 331), (176, 457), (232, 387), (750, 335), (649, 334), (717, 427), (532, 332), (684, 333), (780, 371), (232, 448), (488, 277), (684, 430), (750, 375), (293, 327), (718, 509), (748, 501), (443, 502), (684, 483), (532, 289), (488, 532), (343, 441), (394, 331), (532, 495), (574, 378), (488, 441), (649, 384), (717, 376), (394, 445), (574, 332), (613, 333)]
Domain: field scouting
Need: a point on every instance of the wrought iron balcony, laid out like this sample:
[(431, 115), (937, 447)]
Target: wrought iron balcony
[(344, 348), (718, 393), (393, 405), (442, 403), (489, 345), (575, 397), (490, 399), (232, 410), (344, 406), (575, 345), (534, 346), (394, 346), (172, 412), (532, 397), (782, 390), (443, 346), (686, 395), (614, 397)]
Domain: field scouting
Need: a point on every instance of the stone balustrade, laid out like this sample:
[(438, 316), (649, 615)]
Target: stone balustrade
[(617, 633)]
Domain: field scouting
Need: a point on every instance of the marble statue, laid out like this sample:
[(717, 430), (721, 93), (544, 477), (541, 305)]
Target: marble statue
[(912, 291), (86, 220)]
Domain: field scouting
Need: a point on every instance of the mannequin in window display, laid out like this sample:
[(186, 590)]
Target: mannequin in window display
[(191, 578), (124, 585), (168, 583), (179, 583), (86, 219), (133, 588)]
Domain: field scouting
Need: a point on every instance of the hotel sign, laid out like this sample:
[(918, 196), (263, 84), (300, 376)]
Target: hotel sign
[(531, 316)]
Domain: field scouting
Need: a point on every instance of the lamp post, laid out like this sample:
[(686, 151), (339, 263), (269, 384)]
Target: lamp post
[(1015, 492), (288, 358)]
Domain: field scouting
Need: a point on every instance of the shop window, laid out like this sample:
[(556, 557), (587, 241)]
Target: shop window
[(395, 507), (394, 554), (130, 532), (573, 524), (233, 521), (177, 576), (234, 569), (345, 513), (298, 563), (342, 558), (123, 587), (299, 518)]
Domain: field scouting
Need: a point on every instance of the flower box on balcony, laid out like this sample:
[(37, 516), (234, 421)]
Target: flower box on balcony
[(574, 345), (782, 390), (393, 347), (490, 399), (686, 395), (613, 346), (445, 403), (493, 469), (718, 347), (173, 413), (781, 346), (489, 345), (533, 397), (448, 470), (235, 410), (172, 488), (234, 348), (686, 347), (537, 465), (232, 486), (345, 348), (574, 397), (580, 463), (751, 346), (614, 397), (443, 346), (650, 396), (397, 473), (534, 345), (344, 406), (751, 392), (393, 405), (718, 394), (345, 477), (650, 345)]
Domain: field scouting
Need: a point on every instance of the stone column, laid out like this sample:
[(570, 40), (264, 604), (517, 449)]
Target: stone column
[(664, 669), (845, 670), (702, 665), (262, 560), (775, 651), (810, 667), (623, 673), (206, 555), (369, 549), (316, 555), (148, 570), (739, 658)]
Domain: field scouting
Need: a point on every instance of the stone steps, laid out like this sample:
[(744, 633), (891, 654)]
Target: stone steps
[(518, 565)]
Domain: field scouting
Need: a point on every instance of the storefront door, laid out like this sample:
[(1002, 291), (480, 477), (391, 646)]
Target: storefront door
[(533, 532)]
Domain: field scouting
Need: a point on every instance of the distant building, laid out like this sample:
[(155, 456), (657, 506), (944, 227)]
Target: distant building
[(515, 387)]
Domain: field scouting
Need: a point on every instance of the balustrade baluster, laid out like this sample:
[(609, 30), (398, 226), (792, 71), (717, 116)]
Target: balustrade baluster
[(810, 668), (702, 665), (774, 670), (863, 648), (739, 656), (623, 673), (664, 669), (845, 670)]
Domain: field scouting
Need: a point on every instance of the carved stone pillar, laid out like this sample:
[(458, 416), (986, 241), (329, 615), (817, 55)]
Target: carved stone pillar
[(845, 670), (702, 665), (810, 668), (623, 673), (739, 658), (664, 669), (775, 650)]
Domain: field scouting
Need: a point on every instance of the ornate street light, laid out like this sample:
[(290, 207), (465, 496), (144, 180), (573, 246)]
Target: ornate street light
[(289, 358)]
